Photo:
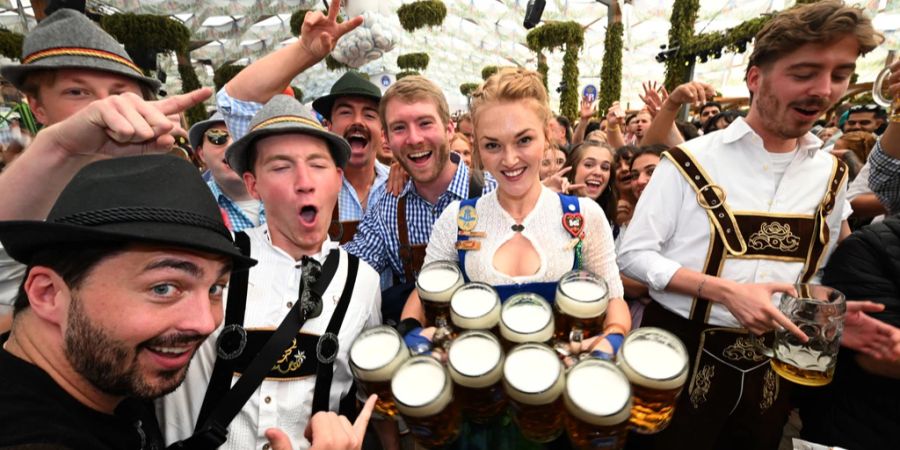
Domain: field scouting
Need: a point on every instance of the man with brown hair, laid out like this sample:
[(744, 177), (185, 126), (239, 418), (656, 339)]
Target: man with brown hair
[(711, 288)]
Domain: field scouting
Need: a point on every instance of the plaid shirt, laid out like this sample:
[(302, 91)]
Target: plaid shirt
[(884, 178), (377, 241), (236, 217)]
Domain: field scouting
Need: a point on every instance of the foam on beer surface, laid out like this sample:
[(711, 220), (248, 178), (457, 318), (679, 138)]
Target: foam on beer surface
[(474, 355), (437, 280), (534, 374), (374, 351), (418, 384), (582, 298), (599, 392), (653, 364), (472, 302), (526, 318)]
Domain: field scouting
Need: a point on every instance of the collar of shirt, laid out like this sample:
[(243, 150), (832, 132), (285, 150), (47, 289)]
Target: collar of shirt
[(327, 246), (740, 129), (459, 185)]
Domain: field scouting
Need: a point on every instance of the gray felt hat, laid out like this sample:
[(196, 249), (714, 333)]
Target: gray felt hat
[(67, 39), (283, 114), (195, 134)]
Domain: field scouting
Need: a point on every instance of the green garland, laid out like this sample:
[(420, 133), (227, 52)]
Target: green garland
[(147, 32), (297, 21), (333, 64), (406, 73), (684, 15), (413, 61), (420, 14), (611, 72), (468, 88), (555, 35), (487, 71), (224, 74), (298, 93), (190, 82), (11, 44), (543, 68)]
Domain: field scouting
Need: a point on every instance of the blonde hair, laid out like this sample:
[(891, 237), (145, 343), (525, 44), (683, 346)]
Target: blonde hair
[(512, 84), (459, 137), (415, 88)]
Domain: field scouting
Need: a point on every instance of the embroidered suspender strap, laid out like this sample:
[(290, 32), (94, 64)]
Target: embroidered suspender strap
[(464, 237), (406, 252), (232, 338), (328, 346), (214, 430), (821, 235), (710, 197)]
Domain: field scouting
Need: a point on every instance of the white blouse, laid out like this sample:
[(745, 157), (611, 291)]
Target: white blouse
[(543, 228)]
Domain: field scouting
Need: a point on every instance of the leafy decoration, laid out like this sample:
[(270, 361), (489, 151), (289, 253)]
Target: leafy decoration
[(413, 61), (555, 35), (487, 71), (405, 74), (224, 74), (468, 88), (422, 13), (11, 44), (611, 72)]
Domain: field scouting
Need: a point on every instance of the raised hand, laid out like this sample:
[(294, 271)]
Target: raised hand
[(320, 33), (329, 431), (695, 93), (587, 109), (614, 115), (653, 97)]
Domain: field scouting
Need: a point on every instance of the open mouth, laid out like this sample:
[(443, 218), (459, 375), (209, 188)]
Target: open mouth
[(594, 184), (513, 174), (420, 157), (172, 357), (308, 215), (358, 142), (808, 113)]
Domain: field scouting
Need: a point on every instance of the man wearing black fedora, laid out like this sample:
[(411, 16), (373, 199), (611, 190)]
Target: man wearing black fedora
[(350, 110), (68, 63), (321, 296), (124, 281)]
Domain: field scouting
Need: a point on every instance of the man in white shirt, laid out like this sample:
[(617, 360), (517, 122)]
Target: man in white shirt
[(704, 237), (293, 165)]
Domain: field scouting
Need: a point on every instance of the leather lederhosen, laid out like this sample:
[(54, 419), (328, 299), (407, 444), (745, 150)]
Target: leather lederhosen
[(341, 231), (732, 389)]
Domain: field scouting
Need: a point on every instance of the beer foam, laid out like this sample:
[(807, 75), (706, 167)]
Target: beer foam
[(438, 279), (418, 384), (531, 370), (526, 318), (474, 355), (653, 364), (472, 302), (374, 351), (600, 393), (583, 290), (582, 299)]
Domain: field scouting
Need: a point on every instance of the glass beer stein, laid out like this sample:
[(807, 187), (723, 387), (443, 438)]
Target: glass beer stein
[(435, 285), (598, 404), (374, 357), (581, 301), (423, 393)]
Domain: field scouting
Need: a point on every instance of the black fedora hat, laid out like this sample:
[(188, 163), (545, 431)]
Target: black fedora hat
[(155, 199), (350, 84), (283, 114), (67, 39)]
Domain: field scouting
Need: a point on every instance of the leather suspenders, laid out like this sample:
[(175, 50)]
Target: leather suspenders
[(761, 235)]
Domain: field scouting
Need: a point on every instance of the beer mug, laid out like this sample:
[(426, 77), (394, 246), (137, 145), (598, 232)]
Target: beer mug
[(581, 300), (598, 402), (526, 317), (423, 393), (819, 312), (436, 283), (475, 306), (656, 363), (880, 93), (533, 380), (475, 363), (374, 357)]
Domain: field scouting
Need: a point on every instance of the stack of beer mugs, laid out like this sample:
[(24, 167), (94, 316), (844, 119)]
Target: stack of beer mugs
[(503, 357)]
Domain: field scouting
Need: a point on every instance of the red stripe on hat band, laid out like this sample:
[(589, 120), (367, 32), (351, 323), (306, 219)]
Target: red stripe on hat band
[(78, 51), (282, 119)]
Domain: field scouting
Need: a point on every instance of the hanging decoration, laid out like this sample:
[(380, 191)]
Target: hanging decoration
[(611, 71), (487, 71), (413, 61), (543, 68), (225, 73), (405, 74), (555, 35), (468, 88), (368, 42), (422, 13), (297, 20), (11, 44)]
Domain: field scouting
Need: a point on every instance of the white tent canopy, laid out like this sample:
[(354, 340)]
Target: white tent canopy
[(475, 34)]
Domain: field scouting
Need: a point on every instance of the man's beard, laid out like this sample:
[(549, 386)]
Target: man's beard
[(775, 115), (112, 367)]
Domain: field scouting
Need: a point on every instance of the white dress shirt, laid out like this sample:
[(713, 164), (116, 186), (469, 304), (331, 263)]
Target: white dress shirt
[(670, 230), (272, 289)]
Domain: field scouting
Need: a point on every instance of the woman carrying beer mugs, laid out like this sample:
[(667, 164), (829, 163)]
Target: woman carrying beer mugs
[(523, 237)]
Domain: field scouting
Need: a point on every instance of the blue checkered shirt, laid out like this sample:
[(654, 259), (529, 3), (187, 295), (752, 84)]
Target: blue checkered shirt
[(236, 217), (884, 178), (349, 206), (237, 113), (377, 241)]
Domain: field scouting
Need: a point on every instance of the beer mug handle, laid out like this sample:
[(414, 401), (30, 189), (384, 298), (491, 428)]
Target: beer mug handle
[(878, 88), (761, 346)]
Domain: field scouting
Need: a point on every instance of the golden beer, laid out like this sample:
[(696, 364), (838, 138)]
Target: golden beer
[(436, 283), (424, 396), (475, 363), (525, 317), (533, 380), (598, 403), (374, 357), (475, 306), (797, 356), (656, 363), (581, 301)]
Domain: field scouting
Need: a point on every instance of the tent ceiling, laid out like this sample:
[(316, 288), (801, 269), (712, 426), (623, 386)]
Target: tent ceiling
[(476, 33)]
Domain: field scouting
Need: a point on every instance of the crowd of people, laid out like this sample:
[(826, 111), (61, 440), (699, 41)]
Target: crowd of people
[(140, 311)]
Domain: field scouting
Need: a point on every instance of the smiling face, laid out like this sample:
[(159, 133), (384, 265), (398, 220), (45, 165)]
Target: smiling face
[(641, 170), (511, 140), (213, 155), (419, 139), (593, 170), (137, 318), (790, 93), (298, 182), (356, 119), (72, 90)]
